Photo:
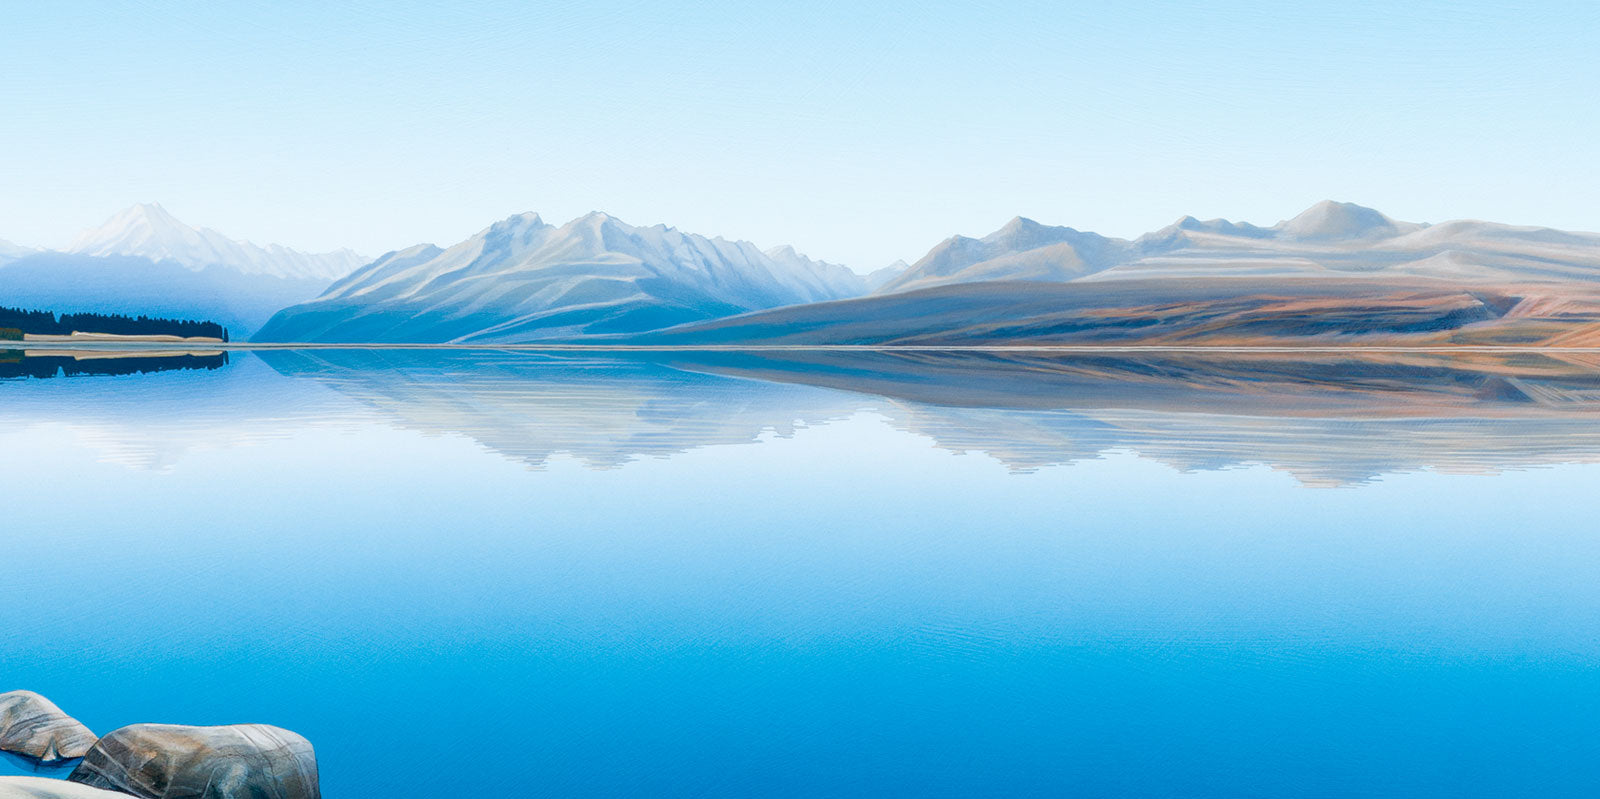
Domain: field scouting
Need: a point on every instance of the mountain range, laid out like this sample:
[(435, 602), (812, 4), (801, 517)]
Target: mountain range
[(1337, 272), (522, 279), (1330, 420), (1327, 240), (148, 231), (145, 261)]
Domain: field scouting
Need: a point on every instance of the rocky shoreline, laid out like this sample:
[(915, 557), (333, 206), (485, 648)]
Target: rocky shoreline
[(152, 761)]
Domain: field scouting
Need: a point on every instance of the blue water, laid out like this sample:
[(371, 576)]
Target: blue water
[(502, 575)]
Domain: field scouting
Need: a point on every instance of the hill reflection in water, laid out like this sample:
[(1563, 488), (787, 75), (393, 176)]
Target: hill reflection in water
[(45, 364), (1328, 419), (533, 406)]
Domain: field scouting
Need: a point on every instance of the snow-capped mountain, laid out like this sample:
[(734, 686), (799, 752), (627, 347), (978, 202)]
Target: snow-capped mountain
[(1336, 221), (1330, 239), (144, 261), (804, 274), (521, 279), (148, 231)]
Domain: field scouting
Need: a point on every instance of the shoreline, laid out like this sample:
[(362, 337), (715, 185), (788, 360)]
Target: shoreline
[(111, 338), (210, 346)]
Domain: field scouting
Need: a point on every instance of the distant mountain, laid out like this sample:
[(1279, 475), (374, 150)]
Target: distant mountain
[(524, 280), (1359, 272), (1328, 240), (129, 285), (878, 278), (1021, 250), (144, 261), (1334, 271), (148, 231), (1336, 274), (11, 252)]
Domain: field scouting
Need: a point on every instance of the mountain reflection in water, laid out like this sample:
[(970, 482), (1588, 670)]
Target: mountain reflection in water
[(1327, 419)]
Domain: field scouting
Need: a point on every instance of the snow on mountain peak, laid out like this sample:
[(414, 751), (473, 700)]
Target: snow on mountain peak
[(520, 278), (148, 230), (1336, 220)]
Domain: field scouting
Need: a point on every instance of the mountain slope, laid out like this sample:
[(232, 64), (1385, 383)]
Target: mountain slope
[(524, 280), (148, 231), (1210, 312)]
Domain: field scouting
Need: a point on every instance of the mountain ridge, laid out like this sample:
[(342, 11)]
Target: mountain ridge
[(522, 277), (148, 230), (1329, 239)]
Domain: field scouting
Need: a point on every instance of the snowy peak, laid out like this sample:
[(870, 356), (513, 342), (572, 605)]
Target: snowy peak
[(142, 226), (1023, 233), (523, 221), (784, 252), (1018, 226), (514, 234), (1020, 249), (1333, 221), (148, 230), (521, 279)]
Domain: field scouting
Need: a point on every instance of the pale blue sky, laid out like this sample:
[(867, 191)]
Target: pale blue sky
[(859, 135)]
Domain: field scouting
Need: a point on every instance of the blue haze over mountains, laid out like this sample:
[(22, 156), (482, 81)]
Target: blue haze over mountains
[(145, 261), (599, 278)]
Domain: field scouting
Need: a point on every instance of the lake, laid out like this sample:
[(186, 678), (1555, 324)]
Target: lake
[(516, 573)]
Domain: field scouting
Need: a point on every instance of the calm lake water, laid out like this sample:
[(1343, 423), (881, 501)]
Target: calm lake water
[(465, 574)]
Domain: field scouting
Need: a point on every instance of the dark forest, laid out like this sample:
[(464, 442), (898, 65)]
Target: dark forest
[(18, 322)]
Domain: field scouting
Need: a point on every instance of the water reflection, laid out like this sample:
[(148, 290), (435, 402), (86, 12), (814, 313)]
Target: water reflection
[(1327, 419), (150, 418), (42, 364), (532, 406)]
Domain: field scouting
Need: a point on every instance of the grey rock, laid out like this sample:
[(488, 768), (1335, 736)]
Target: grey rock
[(44, 788), (32, 726), (162, 761)]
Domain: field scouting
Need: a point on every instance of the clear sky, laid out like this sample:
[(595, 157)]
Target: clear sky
[(859, 132)]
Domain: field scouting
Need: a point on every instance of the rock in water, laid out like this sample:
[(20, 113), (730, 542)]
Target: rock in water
[(162, 761), (43, 788), (33, 726)]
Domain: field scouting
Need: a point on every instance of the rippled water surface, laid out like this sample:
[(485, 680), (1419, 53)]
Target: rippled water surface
[(849, 574)]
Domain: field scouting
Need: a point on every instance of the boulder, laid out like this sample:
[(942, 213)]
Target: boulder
[(163, 761), (43, 788), (34, 727)]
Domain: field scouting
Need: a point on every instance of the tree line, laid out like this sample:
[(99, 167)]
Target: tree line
[(46, 323)]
